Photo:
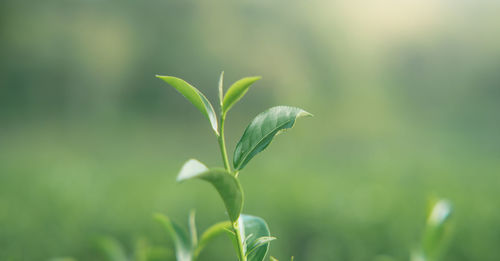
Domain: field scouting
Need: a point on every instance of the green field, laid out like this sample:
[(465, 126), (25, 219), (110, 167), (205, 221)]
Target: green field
[(64, 185)]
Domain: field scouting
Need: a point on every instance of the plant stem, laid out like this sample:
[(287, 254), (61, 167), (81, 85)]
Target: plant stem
[(241, 253), (222, 145)]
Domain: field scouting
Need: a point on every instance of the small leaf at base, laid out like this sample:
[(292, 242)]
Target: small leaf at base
[(258, 242), (258, 228), (182, 242)]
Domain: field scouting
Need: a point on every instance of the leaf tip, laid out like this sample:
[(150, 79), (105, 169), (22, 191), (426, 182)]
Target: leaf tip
[(253, 79), (440, 213), (166, 78), (163, 77), (304, 114)]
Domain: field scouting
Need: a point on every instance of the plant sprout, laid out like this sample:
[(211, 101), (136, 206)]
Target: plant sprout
[(250, 234), (437, 229)]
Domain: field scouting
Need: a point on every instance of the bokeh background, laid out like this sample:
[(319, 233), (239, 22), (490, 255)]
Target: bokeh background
[(406, 98)]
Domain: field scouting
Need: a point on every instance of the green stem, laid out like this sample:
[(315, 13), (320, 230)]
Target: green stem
[(222, 144), (225, 160), (241, 252)]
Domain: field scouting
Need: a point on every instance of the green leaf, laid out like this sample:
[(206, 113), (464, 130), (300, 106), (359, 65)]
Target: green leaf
[(237, 91), (195, 97), (112, 249), (257, 228), (192, 229), (225, 183), (182, 242), (257, 243), (436, 230), (221, 88), (211, 233), (261, 131)]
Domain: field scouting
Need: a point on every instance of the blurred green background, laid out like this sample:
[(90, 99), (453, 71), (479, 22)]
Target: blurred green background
[(406, 98)]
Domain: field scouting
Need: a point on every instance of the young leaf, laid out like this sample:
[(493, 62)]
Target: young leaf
[(192, 228), (247, 238), (236, 92), (261, 131), (221, 88), (225, 183), (195, 97), (182, 242), (211, 233), (436, 229), (257, 243), (258, 228), (112, 249)]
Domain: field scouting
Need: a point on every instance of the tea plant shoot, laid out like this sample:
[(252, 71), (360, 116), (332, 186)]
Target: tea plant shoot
[(250, 234)]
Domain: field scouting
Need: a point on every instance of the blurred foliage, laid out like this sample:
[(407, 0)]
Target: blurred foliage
[(405, 96)]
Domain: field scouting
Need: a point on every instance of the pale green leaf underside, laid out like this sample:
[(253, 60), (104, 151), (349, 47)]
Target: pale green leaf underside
[(261, 131), (194, 96), (236, 92), (257, 228), (182, 241), (225, 183)]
